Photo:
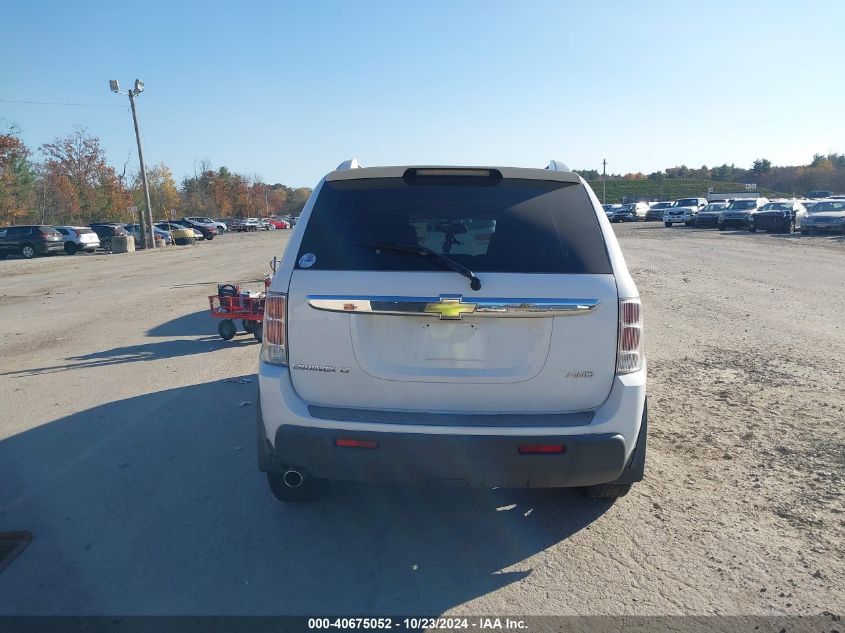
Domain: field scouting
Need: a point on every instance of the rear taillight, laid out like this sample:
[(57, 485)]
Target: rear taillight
[(274, 346), (542, 449), (629, 357)]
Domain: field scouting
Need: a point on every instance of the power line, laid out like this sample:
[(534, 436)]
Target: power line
[(59, 103)]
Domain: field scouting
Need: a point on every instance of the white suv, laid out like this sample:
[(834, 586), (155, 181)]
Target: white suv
[(402, 345), (78, 238), (684, 210)]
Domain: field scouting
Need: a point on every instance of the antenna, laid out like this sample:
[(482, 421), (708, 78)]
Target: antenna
[(352, 163), (556, 165)]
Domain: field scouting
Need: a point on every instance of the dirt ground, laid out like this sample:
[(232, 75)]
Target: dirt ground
[(127, 449)]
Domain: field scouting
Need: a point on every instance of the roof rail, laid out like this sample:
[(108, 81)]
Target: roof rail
[(556, 165), (352, 163)]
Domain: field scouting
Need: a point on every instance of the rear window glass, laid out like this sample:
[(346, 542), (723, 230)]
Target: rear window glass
[(512, 225), (828, 206), (742, 204)]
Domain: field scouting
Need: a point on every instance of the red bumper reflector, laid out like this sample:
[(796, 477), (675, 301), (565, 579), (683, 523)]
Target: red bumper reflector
[(344, 443), (534, 449)]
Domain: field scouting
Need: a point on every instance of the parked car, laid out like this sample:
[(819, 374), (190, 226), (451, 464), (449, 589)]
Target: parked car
[(817, 195), (783, 216), (736, 214), (683, 210), (657, 210), (201, 231), (275, 223), (135, 231), (827, 216), (631, 212), (181, 235), (30, 240), (78, 238), (245, 224), (478, 394), (708, 217), (106, 231), (220, 226), (610, 209)]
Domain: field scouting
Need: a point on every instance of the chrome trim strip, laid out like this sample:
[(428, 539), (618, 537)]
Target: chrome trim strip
[(379, 416), (452, 307)]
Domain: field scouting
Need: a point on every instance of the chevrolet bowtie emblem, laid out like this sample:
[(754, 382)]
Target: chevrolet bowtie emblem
[(450, 308)]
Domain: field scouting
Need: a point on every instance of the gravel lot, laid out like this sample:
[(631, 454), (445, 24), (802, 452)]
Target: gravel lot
[(124, 449)]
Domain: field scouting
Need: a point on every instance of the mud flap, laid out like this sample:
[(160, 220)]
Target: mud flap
[(635, 470), (266, 461)]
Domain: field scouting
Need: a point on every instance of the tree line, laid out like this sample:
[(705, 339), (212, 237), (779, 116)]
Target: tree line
[(824, 172), (69, 181)]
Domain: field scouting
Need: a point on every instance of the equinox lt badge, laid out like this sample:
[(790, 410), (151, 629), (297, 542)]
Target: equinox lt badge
[(328, 369)]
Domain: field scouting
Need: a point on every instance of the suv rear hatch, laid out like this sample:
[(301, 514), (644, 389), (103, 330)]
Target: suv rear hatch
[(378, 327)]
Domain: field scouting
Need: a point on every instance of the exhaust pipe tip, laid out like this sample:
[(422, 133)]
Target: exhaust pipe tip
[(293, 478)]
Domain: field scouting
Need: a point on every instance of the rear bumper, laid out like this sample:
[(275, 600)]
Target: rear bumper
[(770, 223), (599, 451), (462, 460), (706, 221), (49, 247), (832, 227), (740, 223)]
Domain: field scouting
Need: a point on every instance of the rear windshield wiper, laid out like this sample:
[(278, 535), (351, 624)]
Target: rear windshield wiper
[(422, 251)]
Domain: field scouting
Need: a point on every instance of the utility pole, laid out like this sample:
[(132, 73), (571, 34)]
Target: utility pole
[(146, 218), (604, 181)]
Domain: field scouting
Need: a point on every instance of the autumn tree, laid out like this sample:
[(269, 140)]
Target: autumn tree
[(17, 179), (83, 186), (163, 194)]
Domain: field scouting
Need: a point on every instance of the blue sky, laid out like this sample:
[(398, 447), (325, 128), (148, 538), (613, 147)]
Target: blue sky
[(289, 90)]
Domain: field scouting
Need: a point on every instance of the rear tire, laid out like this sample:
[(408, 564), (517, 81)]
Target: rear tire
[(247, 325), (721, 228), (667, 224), (606, 491), (226, 329), (752, 229), (71, 248), (258, 331), (310, 490)]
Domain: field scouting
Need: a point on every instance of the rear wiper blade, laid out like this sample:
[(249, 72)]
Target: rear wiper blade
[(422, 251)]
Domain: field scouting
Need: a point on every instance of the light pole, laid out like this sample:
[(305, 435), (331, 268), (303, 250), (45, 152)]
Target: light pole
[(146, 219), (604, 181)]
